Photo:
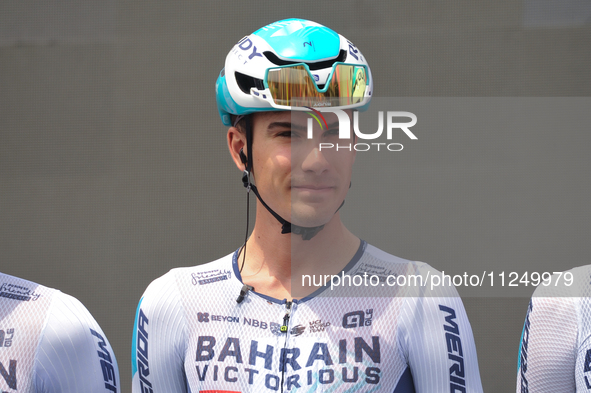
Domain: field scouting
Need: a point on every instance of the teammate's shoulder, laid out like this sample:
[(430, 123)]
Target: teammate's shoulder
[(32, 303), (20, 289), (69, 319), (573, 283), (68, 304), (46, 304), (73, 347)]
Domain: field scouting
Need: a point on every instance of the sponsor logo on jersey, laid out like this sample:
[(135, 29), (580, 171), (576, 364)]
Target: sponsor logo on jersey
[(141, 353), (202, 278), (318, 326), (297, 330), (18, 292), (355, 319), (455, 353), (106, 362), (275, 328), (522, 361), (234, 361), (587, 368), (10, 374), (6, 337), (255, 323), (374, 270), (206, 317)]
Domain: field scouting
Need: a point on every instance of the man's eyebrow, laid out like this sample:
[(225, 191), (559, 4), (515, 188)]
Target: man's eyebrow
[(285, 124)]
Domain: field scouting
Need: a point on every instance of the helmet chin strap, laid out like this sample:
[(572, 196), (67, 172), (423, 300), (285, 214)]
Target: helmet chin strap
[(307, 233)]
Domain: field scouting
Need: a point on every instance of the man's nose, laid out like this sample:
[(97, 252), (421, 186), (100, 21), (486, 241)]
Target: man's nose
[(315, 161)]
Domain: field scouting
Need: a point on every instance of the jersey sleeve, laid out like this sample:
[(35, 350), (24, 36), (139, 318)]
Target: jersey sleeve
[(436, 338), (548, 347), (159, 340), (73, 354)]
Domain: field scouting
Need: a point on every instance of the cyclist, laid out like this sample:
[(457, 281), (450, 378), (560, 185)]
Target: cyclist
[(555, 347), (49, 343), (246, 322)]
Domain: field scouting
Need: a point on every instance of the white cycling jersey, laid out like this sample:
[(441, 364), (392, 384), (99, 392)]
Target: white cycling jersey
[(49, 343), (555, 348), (191, 335)]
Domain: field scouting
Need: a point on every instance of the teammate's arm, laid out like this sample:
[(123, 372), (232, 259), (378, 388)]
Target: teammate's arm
[(548, 347), (159, 340), (74, 354)]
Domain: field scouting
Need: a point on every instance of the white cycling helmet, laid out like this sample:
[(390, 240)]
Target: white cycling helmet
[(290, 65)]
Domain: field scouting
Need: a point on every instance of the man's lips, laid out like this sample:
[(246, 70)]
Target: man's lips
[(313, 187), (311, 190)]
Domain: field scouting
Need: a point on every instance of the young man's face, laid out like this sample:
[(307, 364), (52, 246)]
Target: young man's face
[(301, 182)]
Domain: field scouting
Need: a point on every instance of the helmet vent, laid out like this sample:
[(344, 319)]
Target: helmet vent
[(246, 82), (272, 57)]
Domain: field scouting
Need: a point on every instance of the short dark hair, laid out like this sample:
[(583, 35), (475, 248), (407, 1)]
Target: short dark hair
[(239, 122)]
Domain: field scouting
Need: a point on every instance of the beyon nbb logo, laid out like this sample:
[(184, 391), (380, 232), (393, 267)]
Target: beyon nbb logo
[(393, 122)]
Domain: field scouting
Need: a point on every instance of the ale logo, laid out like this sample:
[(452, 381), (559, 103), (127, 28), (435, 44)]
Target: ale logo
[(357, 319)]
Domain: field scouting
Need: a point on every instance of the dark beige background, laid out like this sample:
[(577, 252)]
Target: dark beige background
[(113, 164)]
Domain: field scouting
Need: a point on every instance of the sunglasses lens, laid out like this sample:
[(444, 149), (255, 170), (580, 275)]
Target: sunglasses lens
[(294, 86)]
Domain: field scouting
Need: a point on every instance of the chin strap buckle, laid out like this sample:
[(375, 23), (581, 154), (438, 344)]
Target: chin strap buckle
[(307, 233), (246, 180)]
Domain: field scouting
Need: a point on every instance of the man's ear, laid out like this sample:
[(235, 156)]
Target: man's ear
[(237, 144)]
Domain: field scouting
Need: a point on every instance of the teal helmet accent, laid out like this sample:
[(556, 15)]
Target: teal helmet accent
[(240, 87), (288, 41)]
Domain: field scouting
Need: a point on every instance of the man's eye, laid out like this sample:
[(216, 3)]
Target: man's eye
[(287, 134)]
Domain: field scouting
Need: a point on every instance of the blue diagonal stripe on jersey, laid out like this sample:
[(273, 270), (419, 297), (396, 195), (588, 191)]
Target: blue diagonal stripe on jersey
[(134, 341)]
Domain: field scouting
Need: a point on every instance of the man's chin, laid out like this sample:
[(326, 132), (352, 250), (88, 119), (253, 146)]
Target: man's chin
[(311, 220)]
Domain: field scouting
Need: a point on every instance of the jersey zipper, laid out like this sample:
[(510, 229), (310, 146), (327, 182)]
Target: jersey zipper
[(285, 329), (286, 317)]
